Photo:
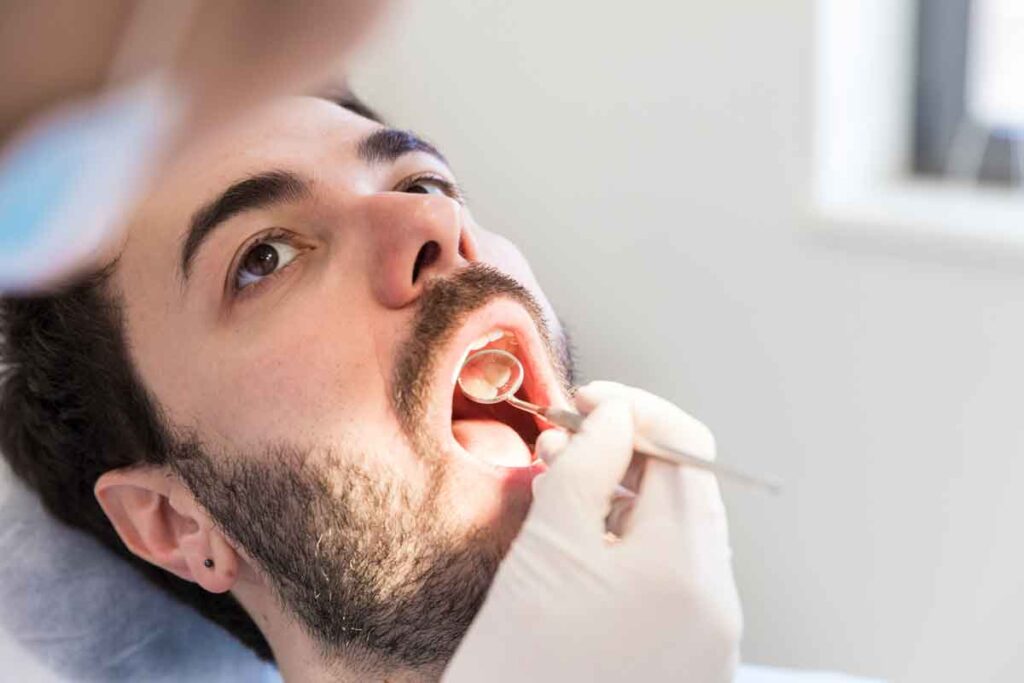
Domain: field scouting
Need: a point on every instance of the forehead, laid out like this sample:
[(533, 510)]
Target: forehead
[(311, 136), (295, 133)]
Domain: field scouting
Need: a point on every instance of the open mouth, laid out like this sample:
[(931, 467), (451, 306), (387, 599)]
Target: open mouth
[(499, 434)]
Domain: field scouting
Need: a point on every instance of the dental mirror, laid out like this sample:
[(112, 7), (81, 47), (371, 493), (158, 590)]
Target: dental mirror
[(491, 376)]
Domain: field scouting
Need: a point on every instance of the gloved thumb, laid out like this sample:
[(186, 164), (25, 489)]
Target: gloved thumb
[(550, 445)]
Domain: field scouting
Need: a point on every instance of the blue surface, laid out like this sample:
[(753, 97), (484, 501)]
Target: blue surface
[(764, 674)]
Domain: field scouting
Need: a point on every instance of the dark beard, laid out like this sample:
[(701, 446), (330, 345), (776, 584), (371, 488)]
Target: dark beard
[(375, 578), (373, 574)]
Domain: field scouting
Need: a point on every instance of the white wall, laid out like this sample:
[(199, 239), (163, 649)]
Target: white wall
[(653, 161)]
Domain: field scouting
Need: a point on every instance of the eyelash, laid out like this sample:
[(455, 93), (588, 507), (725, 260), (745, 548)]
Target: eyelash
[(449, 187)]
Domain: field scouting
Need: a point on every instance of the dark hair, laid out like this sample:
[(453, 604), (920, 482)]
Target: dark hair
[(72, 407)]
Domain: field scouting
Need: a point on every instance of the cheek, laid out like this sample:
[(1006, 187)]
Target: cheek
[(310, 380), (264, 395), (499, 252), (502, 254), (318, 391)]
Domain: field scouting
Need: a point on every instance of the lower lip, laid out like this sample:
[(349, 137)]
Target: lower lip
[(521, 476), (517, 482), (509, 477)]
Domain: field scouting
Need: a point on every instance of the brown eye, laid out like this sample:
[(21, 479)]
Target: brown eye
[(263, 260)]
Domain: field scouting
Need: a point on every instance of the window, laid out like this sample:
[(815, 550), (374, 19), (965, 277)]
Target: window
[(906, 94), (969, 100)]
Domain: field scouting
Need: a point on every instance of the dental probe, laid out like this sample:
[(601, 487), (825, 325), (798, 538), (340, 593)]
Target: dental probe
[(493, 375)]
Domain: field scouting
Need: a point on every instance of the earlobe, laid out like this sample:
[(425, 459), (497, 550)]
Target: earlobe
[(215, 568), (159, 521)]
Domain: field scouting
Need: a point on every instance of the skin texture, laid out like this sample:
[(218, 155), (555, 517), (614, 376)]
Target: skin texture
[(299, 372)]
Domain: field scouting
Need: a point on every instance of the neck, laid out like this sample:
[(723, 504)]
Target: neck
[(299, 656)]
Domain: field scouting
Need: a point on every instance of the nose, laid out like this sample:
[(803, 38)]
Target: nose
[(414, 238)]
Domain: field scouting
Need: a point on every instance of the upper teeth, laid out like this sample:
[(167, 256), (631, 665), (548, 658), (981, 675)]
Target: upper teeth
[(480, 343)]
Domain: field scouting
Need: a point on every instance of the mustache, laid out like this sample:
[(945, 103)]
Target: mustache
[(442, 309)]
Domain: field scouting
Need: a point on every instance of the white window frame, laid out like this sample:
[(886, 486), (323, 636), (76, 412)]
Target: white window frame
[(864, 94)]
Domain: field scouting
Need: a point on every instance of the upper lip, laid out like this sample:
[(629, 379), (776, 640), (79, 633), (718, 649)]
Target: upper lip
[(541, 385)]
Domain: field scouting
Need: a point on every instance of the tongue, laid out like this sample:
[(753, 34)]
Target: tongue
[(492, 441)]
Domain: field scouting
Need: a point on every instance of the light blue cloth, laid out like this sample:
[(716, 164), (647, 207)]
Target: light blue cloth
[(764, 674), (67, 179), (85, 615), (82, 614)]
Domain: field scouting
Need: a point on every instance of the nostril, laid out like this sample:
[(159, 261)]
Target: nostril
[(428, 255)]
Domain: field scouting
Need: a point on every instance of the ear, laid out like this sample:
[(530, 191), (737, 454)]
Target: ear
[(160, 521)]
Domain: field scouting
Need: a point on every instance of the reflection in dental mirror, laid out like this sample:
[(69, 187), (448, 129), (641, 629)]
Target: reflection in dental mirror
[(491, 376)]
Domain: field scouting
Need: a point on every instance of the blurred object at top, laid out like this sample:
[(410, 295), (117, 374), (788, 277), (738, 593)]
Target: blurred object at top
[(98, 96)]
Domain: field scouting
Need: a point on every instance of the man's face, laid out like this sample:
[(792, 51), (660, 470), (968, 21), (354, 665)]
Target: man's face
[(298, 294)]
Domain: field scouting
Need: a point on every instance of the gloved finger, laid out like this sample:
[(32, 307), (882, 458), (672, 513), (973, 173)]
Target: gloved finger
[(576, 491), (550, 445), (672, 497), (677, 495), (677, 504), (694, 544), (624, 499), (634, 473), (655, 419), (552, 442)]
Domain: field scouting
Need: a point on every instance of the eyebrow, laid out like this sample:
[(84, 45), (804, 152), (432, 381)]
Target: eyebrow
[(385, 145), (255, 192), (263, 190)]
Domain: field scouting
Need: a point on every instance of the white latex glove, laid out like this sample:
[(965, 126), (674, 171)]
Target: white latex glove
[(568, 605)]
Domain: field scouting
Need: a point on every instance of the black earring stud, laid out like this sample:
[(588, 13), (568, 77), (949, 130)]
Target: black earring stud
[(208, 563)]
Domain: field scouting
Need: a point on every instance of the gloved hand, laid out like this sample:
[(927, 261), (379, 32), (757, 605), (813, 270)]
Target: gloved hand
[(568, 605)]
